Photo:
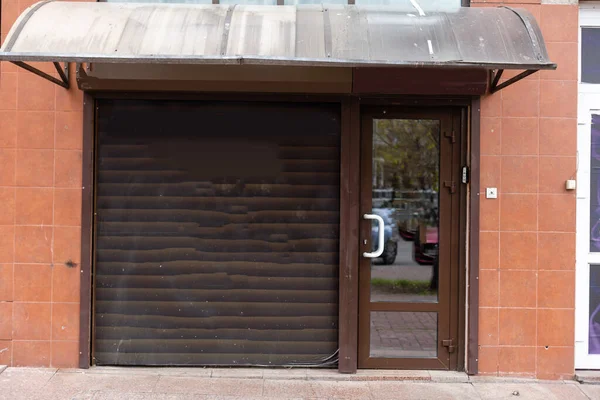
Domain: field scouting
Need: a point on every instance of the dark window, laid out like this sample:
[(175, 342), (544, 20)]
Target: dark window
[(590, 55)]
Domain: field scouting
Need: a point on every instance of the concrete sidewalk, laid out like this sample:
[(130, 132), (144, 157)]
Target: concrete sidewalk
[(281, 384)]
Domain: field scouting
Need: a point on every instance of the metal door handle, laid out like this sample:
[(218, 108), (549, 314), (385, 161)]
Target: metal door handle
[(379, 250)]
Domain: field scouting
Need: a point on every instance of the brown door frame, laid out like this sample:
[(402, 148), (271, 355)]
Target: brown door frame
[(349, 210), (446, 309)]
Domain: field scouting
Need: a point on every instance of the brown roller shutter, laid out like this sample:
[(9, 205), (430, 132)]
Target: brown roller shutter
[(216, 233)]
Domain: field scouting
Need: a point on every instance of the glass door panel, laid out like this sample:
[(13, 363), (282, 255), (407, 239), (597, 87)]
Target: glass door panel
[(408, 168), (405, 187)]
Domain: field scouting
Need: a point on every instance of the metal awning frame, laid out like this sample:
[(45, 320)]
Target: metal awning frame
[(537, 61), (495, 78), (63, 72), (64, 81)]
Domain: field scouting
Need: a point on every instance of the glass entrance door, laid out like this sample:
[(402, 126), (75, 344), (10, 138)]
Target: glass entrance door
[(408, 269)]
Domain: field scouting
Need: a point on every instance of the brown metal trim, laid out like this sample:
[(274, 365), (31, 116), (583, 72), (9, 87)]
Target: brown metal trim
[(220, 96), (87, 206), (456, 235), (462, 263), (349, 224), (472, 367)]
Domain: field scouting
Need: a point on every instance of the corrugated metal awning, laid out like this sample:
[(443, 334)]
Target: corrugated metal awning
[(352, 36)]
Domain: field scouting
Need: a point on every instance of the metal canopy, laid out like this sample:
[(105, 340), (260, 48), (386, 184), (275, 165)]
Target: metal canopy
[(350, 36)]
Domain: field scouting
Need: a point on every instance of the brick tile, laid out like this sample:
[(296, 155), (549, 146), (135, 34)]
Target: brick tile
[(33, 244), (7, 243), (488, 250), (35, 129), (489, 214), (517, 327), (518, 212), (518, 250), (65, 354), (519, 174), (517, 360), (517, 288), (549, 258), (31, 321), (534, 9), (521, 99), (65, 321), (8, 91), (69, 130), (488, 288), (488, 326), (65, 283), (67, 207), (35, 167), (8, 128), (565, 56), (72, 99), (488, 360), (31, 353), (33, 282), (556, 327), (10, 13), (6, 352), (491, 106), (67, 245), (34, 206), (490, 136), (24, 4), (559, 23), (6, 67), (557, 212), (558, 99), (7, 211), (554, 171), (35, 93), (555, 363), (6, 312), (558, 136), (490, 169), (68, 168), (8, 162), (6, 282), (556, 289), (520, 136)]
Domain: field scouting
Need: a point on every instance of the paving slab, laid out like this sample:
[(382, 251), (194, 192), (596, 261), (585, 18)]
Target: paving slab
[(423, 391), (208, 386), (21, 383), (591, 391), (532, 391)]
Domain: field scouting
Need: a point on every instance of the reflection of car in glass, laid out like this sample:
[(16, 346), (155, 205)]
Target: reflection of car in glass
[(425, 245), (390, 249), (425, 242)]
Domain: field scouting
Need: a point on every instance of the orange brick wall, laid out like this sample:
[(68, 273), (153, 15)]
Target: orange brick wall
[(527, 239), (40, 217), (528, 143)]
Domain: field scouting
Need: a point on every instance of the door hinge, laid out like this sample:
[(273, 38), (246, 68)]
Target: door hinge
[(465, 174), (451, 185), (450, 135), (449, 343)]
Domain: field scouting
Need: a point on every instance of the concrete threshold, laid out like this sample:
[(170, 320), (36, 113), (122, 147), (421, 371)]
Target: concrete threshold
[(588, 377)]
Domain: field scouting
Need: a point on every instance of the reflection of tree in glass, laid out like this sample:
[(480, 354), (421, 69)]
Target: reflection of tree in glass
[(407, 154)]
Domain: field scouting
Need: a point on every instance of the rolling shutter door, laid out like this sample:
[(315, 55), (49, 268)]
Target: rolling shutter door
[(216, 233)]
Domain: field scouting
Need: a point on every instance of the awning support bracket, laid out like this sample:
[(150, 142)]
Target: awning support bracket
[(495, 87), (63, 72)]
